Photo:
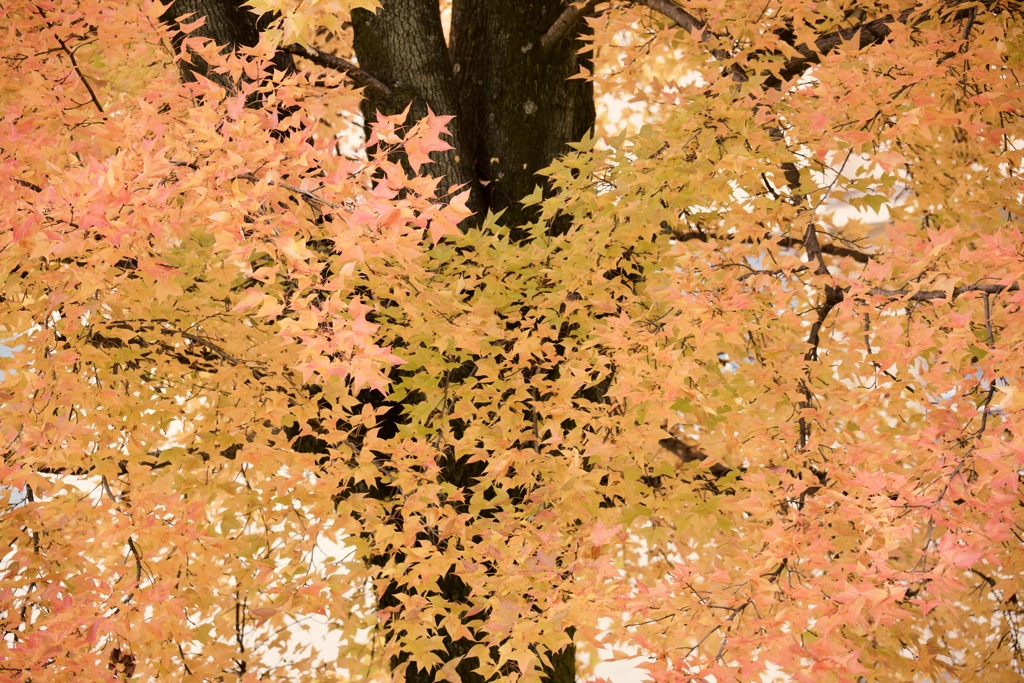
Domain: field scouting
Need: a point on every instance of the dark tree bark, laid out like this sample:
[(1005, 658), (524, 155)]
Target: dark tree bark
[(403, 46), (515, 111), (515, 107), (228, 23), (516, 96)]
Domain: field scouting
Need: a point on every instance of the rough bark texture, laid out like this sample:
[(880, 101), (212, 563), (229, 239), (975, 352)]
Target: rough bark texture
[(403, 46), (517, 97), (228, 23), (515, 108)]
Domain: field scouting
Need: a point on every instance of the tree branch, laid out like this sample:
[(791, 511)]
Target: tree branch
[(932, 295), (789, 243), (688, 453), (833, 297), (81, 76), (203, 341), (677, 14), (565, 22), (74, 63), (309, 196), (25, 183), (196, 339), (831, 249), (870, 33), (685, 20), (329, 61)]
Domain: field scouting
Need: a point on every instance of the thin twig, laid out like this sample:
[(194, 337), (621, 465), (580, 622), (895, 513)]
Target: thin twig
[(202, 341), (786, 243), (106, 488), (777, 272), (31, 186), (867, 332), (649, 621), (987, 403), (137, 554), (701, 642), (81, 76), (74, 62), (184, 663), (988, 321)]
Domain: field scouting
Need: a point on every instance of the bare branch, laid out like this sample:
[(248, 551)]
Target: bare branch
[(932, 295), (329, 61), (677, 14), (831, 249), (868, 33), (565, 23)]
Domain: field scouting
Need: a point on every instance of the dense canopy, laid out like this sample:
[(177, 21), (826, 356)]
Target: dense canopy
[(728, 374)]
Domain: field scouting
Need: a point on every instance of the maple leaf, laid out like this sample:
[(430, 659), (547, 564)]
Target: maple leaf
[(424, 138), (958, 552)]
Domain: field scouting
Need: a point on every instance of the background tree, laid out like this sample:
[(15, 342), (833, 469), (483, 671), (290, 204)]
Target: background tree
[(256, 379)]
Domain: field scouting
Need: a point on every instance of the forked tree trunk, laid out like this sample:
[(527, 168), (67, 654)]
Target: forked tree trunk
[(515, 110), (515, 107)]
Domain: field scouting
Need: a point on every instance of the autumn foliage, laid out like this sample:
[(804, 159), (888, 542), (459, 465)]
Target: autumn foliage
[(758, 408)]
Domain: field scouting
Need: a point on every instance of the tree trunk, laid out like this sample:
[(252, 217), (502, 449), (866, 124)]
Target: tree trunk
[(403, 46), (228, 23), (515, 96), (515, 111), (515, 107)]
